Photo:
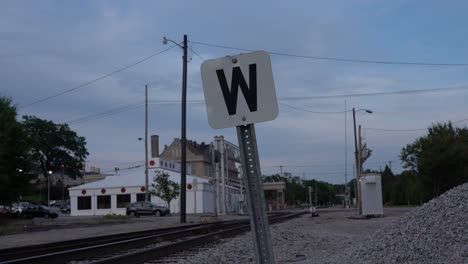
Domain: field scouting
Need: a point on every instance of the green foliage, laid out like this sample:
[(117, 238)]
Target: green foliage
[(439, 159), (434, 163), (55, 146), (297, 190), (15, 161), (164, 188)]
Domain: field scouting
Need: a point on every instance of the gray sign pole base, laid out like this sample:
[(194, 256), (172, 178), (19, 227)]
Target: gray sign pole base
[(255, 195)]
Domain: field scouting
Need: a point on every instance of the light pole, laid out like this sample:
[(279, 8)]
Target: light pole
[(183, 159), (146, 162), (356, 156), (63, 182), (48, 187)]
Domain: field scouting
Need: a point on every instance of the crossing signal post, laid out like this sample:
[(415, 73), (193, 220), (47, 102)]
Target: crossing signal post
[(250, 73)]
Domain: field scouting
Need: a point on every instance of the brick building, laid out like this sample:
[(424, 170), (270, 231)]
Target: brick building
[(200, 158)]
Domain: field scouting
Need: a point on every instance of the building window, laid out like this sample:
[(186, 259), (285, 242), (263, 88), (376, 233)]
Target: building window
[(123, 200), (84, 203), (140, 197), (103, 202)]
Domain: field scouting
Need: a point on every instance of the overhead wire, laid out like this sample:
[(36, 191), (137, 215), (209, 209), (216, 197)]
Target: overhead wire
[(408, 130), (410, 63), (314, 112), (196, 53), (95, 80), (417, 91)]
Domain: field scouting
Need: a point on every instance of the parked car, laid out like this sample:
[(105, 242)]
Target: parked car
[(65, 209), (38, 211), (57, 203), (4, 211), (17, 208), (146, 208)]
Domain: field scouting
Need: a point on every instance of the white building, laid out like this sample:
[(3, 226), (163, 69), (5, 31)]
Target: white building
[(112, 194)]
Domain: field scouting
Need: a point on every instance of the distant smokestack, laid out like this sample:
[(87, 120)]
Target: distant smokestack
[(154, 146)]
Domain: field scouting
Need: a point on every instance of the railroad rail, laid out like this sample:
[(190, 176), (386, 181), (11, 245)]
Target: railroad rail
[(135, 247)]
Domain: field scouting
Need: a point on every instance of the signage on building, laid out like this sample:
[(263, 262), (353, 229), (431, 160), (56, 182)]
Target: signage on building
[(170, 165), (239, 90)]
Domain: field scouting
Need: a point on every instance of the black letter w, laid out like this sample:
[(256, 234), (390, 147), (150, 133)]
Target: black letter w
[(230, 97)]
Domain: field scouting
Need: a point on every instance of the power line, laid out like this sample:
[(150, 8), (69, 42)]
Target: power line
[(118, 110), (200, 101), (97, 79), (444, 89), (105, 113), (314, 112), (408, 130), (128, 168), (409, 63), (196, 53)]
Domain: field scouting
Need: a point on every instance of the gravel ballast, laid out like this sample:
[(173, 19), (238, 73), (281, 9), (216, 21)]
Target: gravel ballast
[(433, 233)]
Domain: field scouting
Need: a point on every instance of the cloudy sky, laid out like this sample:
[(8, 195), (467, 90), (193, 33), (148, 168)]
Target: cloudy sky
[(48, 47)]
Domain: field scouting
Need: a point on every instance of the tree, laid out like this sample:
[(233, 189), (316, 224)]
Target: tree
[(439, 159), (164, 188), (55, 147), (15, 161), (388, 180)]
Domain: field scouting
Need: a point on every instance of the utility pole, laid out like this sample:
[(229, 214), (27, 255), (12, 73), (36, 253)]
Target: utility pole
[(48, 189), (223, 175), (310, 196), (227, 198), (316, 191), (360, 170), (183, 158), (183, 171), (63, 183), (358, 198), (147, 198), (346, 159), (214, 171), (355, 186)]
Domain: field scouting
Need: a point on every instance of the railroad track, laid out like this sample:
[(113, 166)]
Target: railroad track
[(135, 247)]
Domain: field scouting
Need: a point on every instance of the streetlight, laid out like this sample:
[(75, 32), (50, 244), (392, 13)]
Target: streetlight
[(183, 159), (356, 156), (48, 187)]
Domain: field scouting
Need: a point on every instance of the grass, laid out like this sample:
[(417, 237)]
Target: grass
[(11, 229), (116, 217)]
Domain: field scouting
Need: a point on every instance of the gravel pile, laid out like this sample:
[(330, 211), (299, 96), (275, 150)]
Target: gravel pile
[(437, 232)]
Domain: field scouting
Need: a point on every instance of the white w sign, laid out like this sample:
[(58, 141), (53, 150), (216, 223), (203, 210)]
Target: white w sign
[(239, 90)]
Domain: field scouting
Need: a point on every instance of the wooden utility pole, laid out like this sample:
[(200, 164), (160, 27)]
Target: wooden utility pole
[(359, 170), (147, 198), (183, 160)]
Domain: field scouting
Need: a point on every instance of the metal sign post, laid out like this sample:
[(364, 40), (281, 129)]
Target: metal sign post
[(255, 196), (240, 91)]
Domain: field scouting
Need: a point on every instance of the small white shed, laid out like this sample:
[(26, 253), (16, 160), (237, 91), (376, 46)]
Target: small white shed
[(371, 191)]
